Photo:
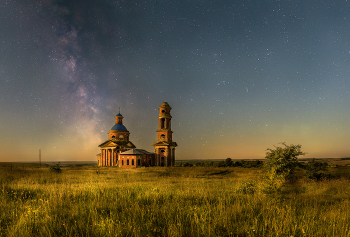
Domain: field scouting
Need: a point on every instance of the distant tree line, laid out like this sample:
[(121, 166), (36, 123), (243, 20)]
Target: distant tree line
[(227, 163), (313, 168)]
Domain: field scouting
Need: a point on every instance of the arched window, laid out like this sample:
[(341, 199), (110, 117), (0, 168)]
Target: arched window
[(113, 137), (162, 120), (162, 137)]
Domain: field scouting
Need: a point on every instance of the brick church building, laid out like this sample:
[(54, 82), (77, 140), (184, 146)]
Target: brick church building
[(119, 151)]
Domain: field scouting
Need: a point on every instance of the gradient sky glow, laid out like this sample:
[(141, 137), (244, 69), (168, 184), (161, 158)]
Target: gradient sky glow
[(241, 76)]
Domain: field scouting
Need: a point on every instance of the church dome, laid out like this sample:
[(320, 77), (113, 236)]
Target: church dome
[(118, 126)]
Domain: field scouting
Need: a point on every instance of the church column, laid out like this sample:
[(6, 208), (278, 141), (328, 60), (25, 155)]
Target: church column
[(106, 157), (166, 157), (110, 157), (103, 157), (114, 157)]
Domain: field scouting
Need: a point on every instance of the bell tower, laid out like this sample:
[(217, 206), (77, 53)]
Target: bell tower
[(164, 147)]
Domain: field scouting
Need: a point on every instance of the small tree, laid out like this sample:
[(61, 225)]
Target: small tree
[(229, 162), (313, 169), (280, 165)]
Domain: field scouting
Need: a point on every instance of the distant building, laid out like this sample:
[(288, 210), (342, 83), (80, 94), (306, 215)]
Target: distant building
[(119, 151)]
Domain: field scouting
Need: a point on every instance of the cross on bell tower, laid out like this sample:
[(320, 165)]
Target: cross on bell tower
[(164, 147)]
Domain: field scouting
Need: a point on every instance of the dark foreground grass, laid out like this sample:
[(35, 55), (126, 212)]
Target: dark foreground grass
[(91, 201)]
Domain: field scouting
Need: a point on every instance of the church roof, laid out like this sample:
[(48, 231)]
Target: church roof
[(119, 115), (114, 143), (118, 126), (164, 143), (136, 152)]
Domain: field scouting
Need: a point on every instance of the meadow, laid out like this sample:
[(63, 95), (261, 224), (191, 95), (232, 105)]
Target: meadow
[(177, 201)]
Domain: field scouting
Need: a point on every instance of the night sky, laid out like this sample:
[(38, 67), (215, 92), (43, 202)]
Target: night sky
[(240, 76)]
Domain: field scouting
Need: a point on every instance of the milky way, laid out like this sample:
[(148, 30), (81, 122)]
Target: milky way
[(241, 76)]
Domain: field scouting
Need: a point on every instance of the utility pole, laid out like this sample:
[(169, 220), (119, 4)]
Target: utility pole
[(40, 157)]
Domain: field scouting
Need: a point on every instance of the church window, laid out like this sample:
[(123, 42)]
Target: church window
[(162, 136), (122, 162), (127, 162), (132, 162), (113, 137), (138, 162), (163, 111)]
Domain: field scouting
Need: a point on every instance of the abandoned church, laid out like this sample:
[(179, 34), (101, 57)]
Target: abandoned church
[(119, 151)]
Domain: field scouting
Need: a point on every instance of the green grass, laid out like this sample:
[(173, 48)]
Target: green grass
[(196, 201)]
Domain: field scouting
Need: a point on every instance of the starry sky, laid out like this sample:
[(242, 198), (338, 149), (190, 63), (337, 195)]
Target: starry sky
[(241, 76)]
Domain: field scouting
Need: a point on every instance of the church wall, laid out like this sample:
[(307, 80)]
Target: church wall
[(128, 161)]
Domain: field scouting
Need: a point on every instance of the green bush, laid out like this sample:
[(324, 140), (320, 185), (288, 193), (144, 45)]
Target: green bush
[(187, 164), (313, 169), (56, 168), (280, 166)]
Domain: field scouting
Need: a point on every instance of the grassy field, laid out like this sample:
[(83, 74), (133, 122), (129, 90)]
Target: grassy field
[(179, 201)]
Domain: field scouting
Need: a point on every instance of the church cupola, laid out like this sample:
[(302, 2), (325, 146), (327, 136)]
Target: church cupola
[(119, 131), (119, 119)]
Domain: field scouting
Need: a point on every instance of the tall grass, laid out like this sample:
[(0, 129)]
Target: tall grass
[(92, 201)]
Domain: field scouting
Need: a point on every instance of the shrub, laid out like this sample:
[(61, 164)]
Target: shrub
[(228, 162), (313, 169), (280, 165), (187, 164), (56, 168)]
